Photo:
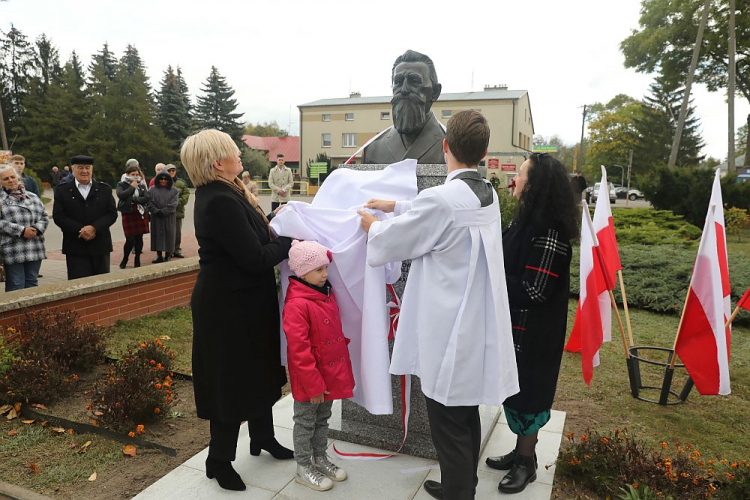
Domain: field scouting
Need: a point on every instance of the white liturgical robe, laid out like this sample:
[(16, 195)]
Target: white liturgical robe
[(454, 331), (332, 221)]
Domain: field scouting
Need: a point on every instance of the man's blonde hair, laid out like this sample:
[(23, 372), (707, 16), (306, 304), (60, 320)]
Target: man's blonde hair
[(201, 150)]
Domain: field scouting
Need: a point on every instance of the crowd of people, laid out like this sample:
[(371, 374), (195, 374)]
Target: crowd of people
[(85, 209), (497, 337)]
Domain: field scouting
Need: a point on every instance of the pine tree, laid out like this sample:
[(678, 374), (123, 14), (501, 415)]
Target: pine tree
[(216, 107), (47, 60), (101, 72), (122, 125), (658, 123), (174, 109), (17, 66)]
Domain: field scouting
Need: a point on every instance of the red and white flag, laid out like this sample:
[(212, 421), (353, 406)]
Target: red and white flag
[(605, 268), (703, 344), (588, 323), (744, 302)]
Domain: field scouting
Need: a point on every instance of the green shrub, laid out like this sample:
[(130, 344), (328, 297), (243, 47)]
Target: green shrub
[(653, 227), (138, 389), (657, 277), (687, 191), (6, 356), (508, 204)]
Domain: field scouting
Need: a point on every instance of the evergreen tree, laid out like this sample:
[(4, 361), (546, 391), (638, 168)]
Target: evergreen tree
[(47, 60), (657, 124), (173, 105), (102, 72), (122, 125), (216, 107), (17, 66)]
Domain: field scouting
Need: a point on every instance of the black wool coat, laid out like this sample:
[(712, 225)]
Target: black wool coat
[(537, 273), (71, 213), (237, 372)]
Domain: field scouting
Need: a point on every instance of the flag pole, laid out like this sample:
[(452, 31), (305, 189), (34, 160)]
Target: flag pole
[(625, 306), (734, 315), (610, 286)]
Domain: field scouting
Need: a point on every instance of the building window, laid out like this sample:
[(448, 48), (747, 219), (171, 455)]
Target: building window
[(349, 117), (446, 113), (326, 117), (385, 115), (326, 140), (520, 140), (349, 140)]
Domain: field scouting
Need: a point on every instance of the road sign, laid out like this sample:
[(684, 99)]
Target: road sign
[(542, 148), (493, 163)]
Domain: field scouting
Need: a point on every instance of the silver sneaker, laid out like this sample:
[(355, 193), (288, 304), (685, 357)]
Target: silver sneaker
[(330, 469), (311, 477)]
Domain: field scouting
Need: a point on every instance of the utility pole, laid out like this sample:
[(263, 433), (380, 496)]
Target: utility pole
[(580, 149), (730, 90), (2, 128), (688, 86), (630, 165)]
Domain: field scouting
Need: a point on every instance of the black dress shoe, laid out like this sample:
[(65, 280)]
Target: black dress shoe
[(434, 489), (224, 474), (521, 474), (271, 446), (178, 255), (158, 260), (505, 462)]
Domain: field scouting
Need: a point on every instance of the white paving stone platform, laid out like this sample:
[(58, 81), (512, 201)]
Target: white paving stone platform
[(395, 478)]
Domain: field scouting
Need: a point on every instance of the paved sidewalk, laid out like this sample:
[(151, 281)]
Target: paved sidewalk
[(396, 478)]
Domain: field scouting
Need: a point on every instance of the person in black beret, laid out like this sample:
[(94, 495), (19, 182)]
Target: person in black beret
[(84, 210)]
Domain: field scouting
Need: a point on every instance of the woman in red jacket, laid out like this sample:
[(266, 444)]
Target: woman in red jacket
[(320, 369)]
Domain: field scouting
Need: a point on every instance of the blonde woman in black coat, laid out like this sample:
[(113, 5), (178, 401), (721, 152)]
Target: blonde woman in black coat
[(237, 372)]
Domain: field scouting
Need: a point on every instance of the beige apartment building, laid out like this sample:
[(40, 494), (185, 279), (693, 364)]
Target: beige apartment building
[(339, 127)]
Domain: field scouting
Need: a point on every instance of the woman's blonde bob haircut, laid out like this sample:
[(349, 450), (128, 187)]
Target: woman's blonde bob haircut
[(201, 150)]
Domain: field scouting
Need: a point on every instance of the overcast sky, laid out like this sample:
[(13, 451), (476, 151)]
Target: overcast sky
[(283, 53)]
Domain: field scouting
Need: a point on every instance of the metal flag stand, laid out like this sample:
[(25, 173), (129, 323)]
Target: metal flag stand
[(667, 396)]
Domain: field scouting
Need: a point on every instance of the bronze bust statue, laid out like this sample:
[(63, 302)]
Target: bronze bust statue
[(416, 133)]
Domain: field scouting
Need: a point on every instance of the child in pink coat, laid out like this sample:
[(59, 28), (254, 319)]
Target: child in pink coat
[(320, 369)]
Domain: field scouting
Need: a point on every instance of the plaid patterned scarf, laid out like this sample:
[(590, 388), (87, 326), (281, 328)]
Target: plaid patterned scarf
[(19, 193)]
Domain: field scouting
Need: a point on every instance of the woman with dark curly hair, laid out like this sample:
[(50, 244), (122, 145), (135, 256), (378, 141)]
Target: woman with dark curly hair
[(537, 254)]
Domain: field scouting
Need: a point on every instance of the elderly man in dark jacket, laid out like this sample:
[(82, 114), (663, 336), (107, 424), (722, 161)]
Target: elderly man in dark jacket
[(84, 210)]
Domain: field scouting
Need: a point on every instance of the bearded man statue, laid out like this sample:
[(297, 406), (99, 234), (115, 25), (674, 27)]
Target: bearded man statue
[(416, 133)]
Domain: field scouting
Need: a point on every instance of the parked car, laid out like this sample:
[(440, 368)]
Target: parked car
[(595, 193), (635, 194)]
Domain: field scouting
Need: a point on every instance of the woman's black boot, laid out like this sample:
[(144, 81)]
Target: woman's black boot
[(271, 446), (224, 474), (124, 262), (521, 474), (137, 260)]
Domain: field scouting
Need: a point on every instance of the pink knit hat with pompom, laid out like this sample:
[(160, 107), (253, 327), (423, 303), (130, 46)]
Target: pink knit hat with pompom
[(306, 256)]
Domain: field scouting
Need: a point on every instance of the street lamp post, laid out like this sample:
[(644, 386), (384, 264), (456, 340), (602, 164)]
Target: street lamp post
[(622, 169)]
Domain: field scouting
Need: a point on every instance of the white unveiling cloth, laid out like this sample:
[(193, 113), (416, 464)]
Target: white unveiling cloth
[(454, 331), (360, 291)]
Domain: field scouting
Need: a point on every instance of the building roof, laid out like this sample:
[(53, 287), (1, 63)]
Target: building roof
[(739, 162), (287, 146), (489, 94)]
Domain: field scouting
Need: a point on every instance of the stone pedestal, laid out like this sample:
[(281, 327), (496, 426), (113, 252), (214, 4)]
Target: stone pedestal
[(350, 422)]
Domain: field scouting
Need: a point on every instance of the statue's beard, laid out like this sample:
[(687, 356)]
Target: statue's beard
[(409, 113)]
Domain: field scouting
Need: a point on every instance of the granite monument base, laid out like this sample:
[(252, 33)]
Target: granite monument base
[(351, 422)]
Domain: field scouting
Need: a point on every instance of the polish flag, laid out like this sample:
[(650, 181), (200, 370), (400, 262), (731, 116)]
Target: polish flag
[(588, 323), (744, 302), (703, 344), (605, 269)]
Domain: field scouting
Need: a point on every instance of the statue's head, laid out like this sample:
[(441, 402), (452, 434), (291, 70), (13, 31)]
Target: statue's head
[(415, 88)]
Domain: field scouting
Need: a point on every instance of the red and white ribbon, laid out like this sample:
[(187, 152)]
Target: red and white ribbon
[(395, 311)]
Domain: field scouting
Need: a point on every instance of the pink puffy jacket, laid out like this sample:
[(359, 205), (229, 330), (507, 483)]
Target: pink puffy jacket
[(317, 352)]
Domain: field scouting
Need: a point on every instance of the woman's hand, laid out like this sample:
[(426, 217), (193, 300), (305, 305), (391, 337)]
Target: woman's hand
[(319, 399), (382, 205), (134, 184), (30, 232)]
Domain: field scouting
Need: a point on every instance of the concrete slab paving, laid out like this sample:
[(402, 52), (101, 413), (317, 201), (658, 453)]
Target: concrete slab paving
[(396, 478)]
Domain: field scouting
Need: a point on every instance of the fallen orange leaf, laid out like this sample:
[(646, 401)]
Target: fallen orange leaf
[(12, 414), (17, 407), (39, 406), (27, 422), (12, 432), (129, 450), (58, 430), (34, 467), (5, 409), (98, 413), (85, 446), (92, 477), (70, 432), (95, 423)]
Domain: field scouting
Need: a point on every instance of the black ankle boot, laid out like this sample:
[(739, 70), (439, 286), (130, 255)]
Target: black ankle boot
[(521, 474), (271, 446), (137, 260), (124, 262), (505, 462), (224, 474)]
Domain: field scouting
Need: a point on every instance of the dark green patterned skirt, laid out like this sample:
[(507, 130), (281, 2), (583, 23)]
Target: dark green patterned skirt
[(523, 424)]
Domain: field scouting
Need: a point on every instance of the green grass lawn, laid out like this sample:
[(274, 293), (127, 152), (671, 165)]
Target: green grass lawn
[(718, 425), (177, 324), (741, 244)]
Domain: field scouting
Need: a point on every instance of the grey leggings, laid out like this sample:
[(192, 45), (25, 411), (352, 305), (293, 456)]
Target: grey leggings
[(310, 430)]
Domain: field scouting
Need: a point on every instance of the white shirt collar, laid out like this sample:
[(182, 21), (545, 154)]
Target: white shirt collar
[(84, 186), (459, 171)]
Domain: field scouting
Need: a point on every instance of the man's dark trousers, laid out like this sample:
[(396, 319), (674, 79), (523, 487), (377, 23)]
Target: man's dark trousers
[(457, 435), (82, 266)]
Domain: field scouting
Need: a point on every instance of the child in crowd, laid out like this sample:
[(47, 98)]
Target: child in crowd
[(320, 369)]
